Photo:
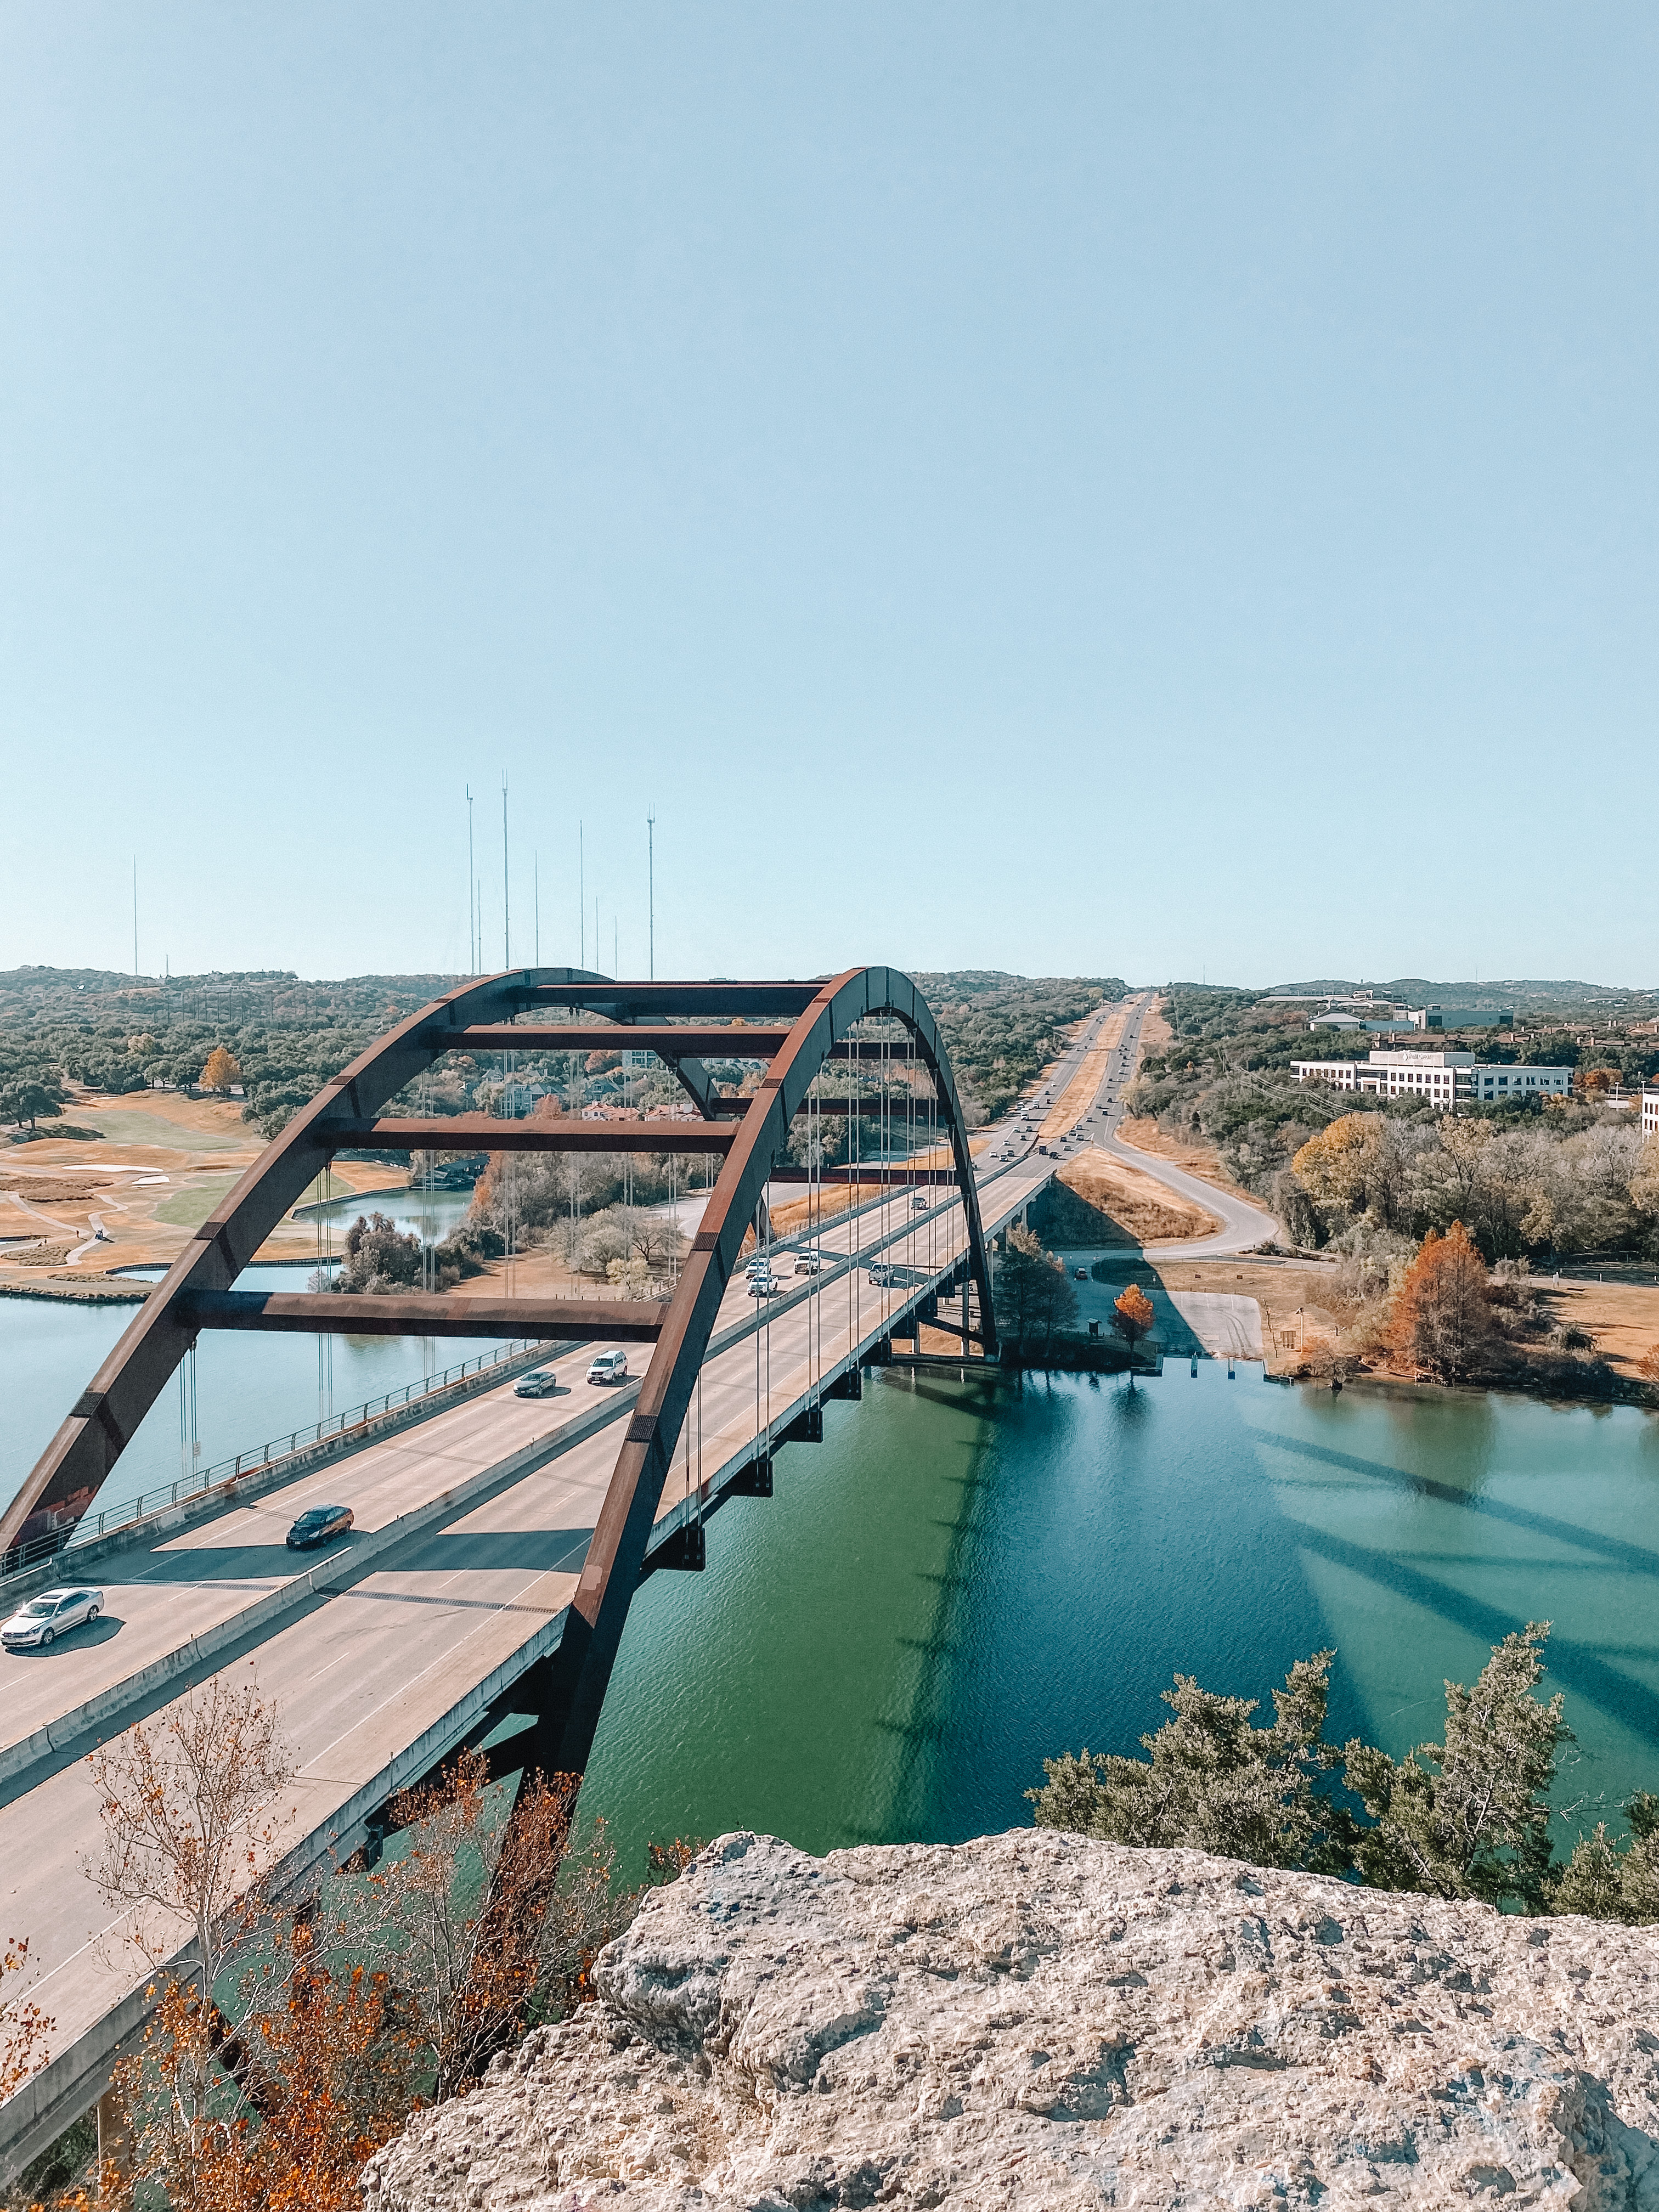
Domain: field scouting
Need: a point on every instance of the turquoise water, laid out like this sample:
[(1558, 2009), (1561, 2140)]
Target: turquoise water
[(962, 1579)]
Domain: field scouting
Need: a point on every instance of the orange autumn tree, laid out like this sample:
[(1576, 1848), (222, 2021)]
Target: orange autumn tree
[(328, 2072), (24, 2028), (222, 1069), (1442, 1315), (1132, 1315)]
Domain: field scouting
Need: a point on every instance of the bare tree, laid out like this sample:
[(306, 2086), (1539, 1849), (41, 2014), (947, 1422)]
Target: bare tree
[(190, 1808)]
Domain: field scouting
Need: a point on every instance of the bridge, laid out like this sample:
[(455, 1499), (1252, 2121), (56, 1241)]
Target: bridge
[(482, 1595)]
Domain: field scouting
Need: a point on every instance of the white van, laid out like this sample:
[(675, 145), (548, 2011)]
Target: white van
[(609, 1367)]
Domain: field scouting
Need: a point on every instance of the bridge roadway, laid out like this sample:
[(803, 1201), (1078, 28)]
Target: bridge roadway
[(471, 1533)]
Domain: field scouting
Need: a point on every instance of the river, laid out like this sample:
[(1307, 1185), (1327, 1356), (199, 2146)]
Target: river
[(961, 1580), (965, 1577)]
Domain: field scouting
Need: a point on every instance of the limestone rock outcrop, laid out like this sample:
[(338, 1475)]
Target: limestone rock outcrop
[(1037, 2020)]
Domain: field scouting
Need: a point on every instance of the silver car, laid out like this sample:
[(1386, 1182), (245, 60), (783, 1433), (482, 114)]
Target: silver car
[(37, 1626), (540, 1382)]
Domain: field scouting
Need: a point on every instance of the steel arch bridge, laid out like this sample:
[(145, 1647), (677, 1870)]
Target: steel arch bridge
[(812, 1024)]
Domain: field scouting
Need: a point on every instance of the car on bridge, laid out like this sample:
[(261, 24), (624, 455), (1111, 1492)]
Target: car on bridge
[(37, 1626), (608, 1367), (319, 1524), (540, 1382), (809, 1263)]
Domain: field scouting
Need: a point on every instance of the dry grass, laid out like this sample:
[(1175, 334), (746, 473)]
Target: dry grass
[(1621, 1315), (1289, 1297), (215, 1117), (1197, 1160), (1144, 1208), (1156, 1035)]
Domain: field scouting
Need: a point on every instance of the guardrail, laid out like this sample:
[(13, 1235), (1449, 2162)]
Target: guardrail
[(255, 1462)]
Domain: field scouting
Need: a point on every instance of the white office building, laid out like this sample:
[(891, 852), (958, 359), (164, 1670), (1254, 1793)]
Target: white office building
[(1651, 1113), (1501, 1085), (1443, 1079)]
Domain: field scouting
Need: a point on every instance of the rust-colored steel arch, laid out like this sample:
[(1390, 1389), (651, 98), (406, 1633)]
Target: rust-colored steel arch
[(581, 1670), (711, 1018)]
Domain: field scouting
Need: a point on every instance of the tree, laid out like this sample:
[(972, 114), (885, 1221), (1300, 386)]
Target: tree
[(330, 2075), (632, 1277), (1336, 1166), (1214, 1784), (1468, 1817), (24, 2028), (474, 1950), (222, 1069), (1133, 1316), (379, 1256), (1323, 1360), (1644, 1182), (1606, 1881), (190, 1805), (30, 1098), (1442, 1316), (1055, 1300), (1020, 1289)]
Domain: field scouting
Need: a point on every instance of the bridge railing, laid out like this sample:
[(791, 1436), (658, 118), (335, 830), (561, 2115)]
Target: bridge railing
[(332, 1428)]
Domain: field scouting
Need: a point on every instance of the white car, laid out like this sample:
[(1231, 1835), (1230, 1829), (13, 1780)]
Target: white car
[(609, 1367), (809, 1263), (37, 1626)]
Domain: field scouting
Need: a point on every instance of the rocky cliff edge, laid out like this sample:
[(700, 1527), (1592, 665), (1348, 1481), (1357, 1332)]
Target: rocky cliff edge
[(1035, 2019)]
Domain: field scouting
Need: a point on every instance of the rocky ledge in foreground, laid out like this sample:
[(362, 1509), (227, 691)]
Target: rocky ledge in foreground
[(1035, 2019)]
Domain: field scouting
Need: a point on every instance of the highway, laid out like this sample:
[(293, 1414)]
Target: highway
[(1244, 1225)]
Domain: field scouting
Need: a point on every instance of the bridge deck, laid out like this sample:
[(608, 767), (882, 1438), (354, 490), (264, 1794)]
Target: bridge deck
[(382, 1659)]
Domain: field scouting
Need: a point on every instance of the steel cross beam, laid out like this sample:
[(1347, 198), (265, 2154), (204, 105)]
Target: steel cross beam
[(569, 1321), (564, 1133), (668, 1043)]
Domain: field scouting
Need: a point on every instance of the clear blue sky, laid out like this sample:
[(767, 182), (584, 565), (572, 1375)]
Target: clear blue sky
[(1069, 489)]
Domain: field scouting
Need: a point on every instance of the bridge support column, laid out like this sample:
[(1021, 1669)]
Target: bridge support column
[(684, 1550)]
